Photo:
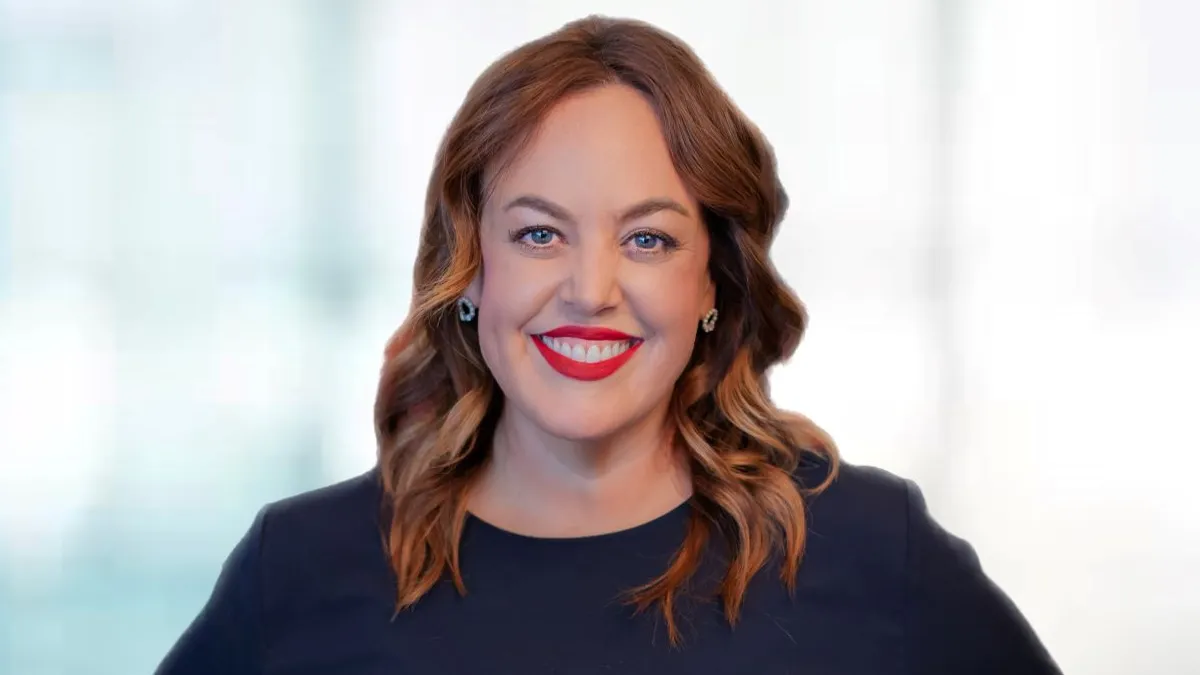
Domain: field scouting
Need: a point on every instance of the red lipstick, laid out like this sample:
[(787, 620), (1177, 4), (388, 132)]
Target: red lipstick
[(588, 333), (579, 370)]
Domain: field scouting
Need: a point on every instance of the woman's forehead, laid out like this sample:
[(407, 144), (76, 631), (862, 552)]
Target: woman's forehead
[(600, 150)]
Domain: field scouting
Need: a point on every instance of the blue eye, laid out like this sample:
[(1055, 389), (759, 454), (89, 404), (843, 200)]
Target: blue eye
[(651, 242), (539, 236), (646, 240)]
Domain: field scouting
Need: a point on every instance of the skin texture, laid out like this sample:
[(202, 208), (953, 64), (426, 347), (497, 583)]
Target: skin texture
[(603, 232)]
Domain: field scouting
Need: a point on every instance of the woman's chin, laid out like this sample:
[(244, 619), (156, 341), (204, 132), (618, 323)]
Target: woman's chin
[(572, 426)]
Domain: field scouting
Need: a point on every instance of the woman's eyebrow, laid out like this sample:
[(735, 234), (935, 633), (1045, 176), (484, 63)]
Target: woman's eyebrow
[(641, 209)]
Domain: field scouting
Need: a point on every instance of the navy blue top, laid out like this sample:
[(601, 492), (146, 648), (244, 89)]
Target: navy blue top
[(882, 589)]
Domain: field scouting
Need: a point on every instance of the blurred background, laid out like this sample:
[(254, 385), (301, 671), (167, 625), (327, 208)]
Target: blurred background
[(208, 217)]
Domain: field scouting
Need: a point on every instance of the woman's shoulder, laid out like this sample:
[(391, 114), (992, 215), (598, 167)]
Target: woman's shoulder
[(331, 503), (329, 530), (855, 498), (859, 522), (869, 520), (871, 534), (272, 574), (872, 509), (873, 515)]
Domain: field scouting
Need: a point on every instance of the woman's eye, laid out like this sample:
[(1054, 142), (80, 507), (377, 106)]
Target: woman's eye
[(646, 240), (651, 242), (540, 236)]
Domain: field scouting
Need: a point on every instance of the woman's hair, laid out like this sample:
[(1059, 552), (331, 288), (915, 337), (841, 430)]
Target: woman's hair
[(438, 404)]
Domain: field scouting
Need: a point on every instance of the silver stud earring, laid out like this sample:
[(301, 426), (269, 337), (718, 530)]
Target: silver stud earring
[(466, 310), (709, 322)]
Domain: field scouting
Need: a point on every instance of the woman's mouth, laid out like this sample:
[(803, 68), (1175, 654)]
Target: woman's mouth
[(586, 352)]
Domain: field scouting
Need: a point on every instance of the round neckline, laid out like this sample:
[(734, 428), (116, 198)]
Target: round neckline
[(658, 522)]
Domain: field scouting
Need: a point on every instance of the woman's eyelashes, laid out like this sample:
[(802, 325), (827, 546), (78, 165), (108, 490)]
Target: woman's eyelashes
[(536, 237), (652, 242), (643, 242)]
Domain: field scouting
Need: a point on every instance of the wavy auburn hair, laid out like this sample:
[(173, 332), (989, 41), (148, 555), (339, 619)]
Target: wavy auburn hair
[(437, 403)]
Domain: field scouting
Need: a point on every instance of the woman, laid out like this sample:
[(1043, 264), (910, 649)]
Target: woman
[(580, 470)]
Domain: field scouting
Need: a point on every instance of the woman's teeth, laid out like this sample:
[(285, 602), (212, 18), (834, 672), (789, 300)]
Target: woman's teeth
[(586, 351)]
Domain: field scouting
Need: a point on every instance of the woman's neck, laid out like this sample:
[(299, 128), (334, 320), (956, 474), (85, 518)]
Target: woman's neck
[(538, 485)]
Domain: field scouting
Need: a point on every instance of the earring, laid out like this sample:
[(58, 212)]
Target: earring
[(466, 310), (709, 322)]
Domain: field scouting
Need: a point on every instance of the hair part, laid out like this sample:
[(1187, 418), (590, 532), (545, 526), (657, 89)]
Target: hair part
[(437, 403)]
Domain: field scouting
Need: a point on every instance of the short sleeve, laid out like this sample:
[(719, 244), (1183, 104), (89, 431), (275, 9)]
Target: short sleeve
[(957, 619), (224, 637)]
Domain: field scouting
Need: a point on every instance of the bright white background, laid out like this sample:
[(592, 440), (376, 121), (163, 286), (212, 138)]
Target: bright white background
[(209, 210)]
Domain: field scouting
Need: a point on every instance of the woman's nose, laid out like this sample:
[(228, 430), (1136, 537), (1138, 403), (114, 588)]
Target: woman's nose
[(592, 283)]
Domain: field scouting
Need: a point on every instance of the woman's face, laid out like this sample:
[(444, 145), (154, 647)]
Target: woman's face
[(595, 270)]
